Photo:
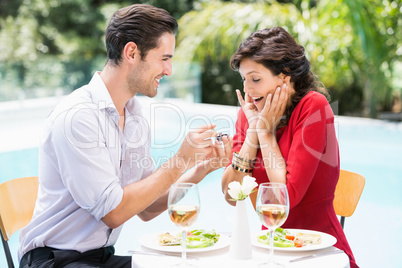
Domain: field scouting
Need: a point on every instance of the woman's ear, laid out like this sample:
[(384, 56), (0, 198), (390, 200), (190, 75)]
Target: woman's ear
[(285, 78)]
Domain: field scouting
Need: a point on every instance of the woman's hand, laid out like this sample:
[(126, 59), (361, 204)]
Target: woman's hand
[(249, 109), (273, 110)]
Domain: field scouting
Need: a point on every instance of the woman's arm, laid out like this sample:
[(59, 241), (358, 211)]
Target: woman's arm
[(274, 163), (247, 151), (249, 146), (220, 159), (313, 151)]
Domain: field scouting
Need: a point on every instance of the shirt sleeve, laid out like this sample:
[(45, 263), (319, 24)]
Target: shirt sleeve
[(84, 161), (313, 145)]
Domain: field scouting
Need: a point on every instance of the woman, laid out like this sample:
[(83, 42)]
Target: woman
[(285, 131)]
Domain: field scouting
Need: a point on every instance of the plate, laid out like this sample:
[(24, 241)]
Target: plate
[(151, 241), (327, 240)]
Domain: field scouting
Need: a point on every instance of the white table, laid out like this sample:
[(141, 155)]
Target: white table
[(221, 258)]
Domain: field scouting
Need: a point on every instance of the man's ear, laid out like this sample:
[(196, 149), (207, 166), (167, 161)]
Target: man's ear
[(130, 51)]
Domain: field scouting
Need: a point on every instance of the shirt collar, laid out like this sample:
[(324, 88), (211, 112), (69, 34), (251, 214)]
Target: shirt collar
[(100, 94), (101, 97), (134, 106)]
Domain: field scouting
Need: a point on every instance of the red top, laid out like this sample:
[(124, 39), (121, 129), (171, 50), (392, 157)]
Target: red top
[(310, 148)]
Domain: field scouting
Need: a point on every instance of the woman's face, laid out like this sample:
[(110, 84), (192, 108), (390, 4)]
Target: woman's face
[(258, 81)]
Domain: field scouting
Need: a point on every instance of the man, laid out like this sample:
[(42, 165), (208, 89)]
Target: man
[(90, 178)]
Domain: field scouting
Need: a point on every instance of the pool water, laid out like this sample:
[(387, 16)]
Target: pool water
[(370, 147)]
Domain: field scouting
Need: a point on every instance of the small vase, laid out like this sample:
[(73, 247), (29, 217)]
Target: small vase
[(240, 247)]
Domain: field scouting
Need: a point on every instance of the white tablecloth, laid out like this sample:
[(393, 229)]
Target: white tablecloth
[(222, 258)]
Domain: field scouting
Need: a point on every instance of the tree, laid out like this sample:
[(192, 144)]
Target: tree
[(49, 44), (347, 45)]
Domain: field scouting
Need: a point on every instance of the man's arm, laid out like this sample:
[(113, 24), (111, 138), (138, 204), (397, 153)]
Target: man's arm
[(220, 159), (193, 175), (141, 194)]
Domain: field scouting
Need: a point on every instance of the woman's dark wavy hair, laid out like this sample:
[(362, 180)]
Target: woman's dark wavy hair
[(278, 51), (139, 23)]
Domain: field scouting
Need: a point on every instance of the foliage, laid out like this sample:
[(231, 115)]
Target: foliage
[(352, 45), (44, 40), (50, 44)]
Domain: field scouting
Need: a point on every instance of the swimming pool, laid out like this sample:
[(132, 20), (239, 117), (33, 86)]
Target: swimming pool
[(370, 147)]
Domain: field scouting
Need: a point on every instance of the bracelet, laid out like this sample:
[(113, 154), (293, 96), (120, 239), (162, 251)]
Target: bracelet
[(242, 169), (242, 162), (239, 164), (236, 154)]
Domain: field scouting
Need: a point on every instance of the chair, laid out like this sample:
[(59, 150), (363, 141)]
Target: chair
[(17, 203), (347, 194), (253, 198)]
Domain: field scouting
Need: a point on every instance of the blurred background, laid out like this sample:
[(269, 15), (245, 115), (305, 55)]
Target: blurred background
[(51, 47), (48, 48)]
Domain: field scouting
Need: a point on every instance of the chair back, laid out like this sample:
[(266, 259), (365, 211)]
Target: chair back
[(347, 193), (253, 198), (17, 203)]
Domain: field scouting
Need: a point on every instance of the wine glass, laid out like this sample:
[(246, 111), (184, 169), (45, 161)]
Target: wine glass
[(183, 207), (272, 207)]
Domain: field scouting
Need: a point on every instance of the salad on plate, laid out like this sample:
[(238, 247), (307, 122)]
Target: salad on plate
[(198, 238), (287, 239)]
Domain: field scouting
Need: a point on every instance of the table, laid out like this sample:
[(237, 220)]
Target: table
[(221, 258)]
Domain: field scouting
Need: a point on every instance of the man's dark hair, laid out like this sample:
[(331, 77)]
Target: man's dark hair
[(138, 23)]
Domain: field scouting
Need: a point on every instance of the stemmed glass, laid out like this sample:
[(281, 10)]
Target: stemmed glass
[(184, 207), (272, 207)]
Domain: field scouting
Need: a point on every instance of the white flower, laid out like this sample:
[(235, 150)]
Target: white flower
[(234, 189), (248, 185), (240, 191)]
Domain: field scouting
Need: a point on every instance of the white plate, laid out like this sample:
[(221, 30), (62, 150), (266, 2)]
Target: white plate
[(327, 240), (151, 241)]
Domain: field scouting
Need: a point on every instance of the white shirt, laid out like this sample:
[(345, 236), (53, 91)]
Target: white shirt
[(84, 161)]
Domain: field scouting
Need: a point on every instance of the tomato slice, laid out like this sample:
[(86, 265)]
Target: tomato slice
[(298, 242), (290, 237)]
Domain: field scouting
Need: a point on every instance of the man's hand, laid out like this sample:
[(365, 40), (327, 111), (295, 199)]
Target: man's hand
[(196, 147), (220, 158), (221, 154)]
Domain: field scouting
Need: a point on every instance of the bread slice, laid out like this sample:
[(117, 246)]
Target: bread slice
[(167, 239), (309, 239)]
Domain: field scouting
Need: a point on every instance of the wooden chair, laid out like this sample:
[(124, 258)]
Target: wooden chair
[(253, 198), (347, 194), (17, 203)]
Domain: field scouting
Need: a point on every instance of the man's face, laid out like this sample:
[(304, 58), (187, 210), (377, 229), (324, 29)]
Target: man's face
[(157, 63)]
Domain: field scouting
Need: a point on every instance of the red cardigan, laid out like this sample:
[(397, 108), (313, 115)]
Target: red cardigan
[(310, 148)]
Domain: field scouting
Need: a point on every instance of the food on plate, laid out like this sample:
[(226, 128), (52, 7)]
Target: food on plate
[(285, 239), (280, 239), (309, 238), (195, 239), (167, 239)]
